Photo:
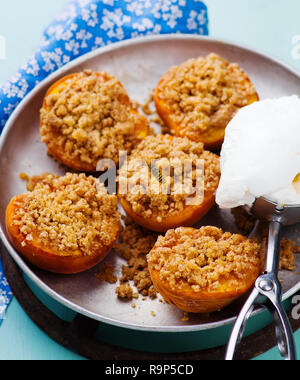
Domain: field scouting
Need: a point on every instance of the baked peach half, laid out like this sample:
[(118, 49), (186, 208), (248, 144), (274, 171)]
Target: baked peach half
[(188, 217), (87, 117), (65, 225), (200, 97), (163, 178), (205, 270)]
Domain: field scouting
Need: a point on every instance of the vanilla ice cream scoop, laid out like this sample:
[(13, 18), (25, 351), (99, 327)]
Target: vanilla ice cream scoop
[(261, 154)]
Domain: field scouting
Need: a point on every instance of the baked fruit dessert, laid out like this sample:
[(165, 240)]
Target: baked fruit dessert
[(87, 117), (158, 195), (202, 271), (200, 97), (64, 225)]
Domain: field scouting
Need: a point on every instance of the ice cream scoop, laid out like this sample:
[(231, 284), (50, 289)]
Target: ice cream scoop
[(268, 291)]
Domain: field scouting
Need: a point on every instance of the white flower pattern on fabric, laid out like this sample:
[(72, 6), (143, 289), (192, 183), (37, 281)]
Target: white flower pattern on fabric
[(86, 25), (5, 294)]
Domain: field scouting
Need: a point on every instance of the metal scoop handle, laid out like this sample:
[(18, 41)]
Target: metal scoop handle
[(267, 293)]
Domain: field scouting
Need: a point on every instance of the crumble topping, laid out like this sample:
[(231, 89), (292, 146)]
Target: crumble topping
[(70, 213), (200, 259), (164, 193), (91, 117), (134, 244), (125, 292), (206, 92)]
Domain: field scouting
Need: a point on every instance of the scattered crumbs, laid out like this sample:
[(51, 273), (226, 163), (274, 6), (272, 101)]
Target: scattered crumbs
[(125, 292), (106, 273), (133, 306), (287, 258), (35, 180), (135, 104), (149, 109), (146, 107), (24, 176), (133, 246), (153, 313)]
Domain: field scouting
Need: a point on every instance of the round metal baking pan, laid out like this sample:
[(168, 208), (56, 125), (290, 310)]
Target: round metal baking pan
[(139, 64)]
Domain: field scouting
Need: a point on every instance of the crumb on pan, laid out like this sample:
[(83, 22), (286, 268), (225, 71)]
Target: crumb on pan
[(149, 110), (24, 176), (146, 107), (90, 118), (33, 181), (133, 246), (69, 213), (125, 292), (205, 92), (167, 152), (202, 258), (106, 273), (287, 258)]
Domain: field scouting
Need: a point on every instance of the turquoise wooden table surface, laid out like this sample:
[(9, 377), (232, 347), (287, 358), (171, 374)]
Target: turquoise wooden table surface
[(268, 25)]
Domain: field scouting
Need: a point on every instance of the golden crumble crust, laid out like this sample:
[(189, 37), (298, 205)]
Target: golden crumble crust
[(202, 259), (205, 93), (163, 150), (68, 214), (90, 117)]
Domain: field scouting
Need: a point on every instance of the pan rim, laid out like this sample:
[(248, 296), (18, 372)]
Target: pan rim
[(9, 124)]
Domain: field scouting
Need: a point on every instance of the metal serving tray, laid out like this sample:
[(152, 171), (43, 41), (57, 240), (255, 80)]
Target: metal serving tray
[(139, 64)]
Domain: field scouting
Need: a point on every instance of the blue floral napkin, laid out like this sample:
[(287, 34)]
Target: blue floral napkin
[(5, 294), (85, 25)]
